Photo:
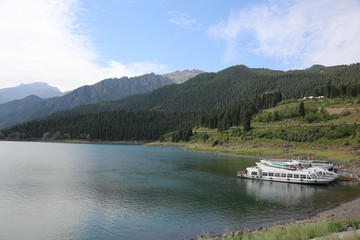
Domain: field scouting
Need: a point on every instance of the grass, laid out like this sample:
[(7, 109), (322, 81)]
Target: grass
[(339, 150), (287, 138), (294, 231)]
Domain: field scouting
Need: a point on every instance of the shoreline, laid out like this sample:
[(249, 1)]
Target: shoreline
[(343, 211)]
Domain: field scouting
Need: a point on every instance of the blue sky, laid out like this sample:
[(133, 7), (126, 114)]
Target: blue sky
[(70, 43)]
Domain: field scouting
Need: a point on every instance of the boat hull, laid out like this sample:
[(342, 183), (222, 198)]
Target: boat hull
[(287, 180)]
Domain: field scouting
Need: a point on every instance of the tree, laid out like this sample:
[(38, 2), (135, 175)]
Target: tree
[(276, 116), (246, 121), (302, 109)]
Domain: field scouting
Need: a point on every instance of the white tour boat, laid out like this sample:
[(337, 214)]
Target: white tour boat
[(293, 171)]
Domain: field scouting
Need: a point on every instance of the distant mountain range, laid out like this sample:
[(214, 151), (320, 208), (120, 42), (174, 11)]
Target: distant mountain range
[(32, 107), (208, 91), (39, 89)]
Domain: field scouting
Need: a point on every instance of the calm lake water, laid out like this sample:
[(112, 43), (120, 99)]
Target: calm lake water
[(89, 191)]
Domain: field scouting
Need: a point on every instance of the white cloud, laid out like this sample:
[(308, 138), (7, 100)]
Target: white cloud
[(116, 69), (41, 40), (299, 33), (184, 20)]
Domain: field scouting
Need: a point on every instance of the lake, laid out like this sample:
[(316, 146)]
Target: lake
[(92, 191)]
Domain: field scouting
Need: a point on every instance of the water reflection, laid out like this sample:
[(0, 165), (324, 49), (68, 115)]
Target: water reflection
[(79, 191), (285, 193)]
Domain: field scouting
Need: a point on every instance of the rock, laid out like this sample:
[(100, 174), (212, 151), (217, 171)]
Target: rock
[(237, 233), (215, 142)]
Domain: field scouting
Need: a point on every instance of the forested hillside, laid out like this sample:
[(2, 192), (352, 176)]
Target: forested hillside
[(108, 89), (213, 100), (212, 90), (208, 91), (110, 126)]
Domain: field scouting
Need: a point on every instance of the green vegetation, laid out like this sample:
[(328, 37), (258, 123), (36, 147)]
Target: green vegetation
[(285, 134), (238, 110), (299, 231), (330, 136), (210, 91), (106, 90), (107, 126)]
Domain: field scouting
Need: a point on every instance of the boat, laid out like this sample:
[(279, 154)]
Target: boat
[(293, 171)]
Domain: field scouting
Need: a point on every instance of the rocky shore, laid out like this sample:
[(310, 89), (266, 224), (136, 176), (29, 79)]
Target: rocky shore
[(345, 211)]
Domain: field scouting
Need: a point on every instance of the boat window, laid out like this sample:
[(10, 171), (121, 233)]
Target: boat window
[(289, 175), (254, 173), (265, 174), (283, 175), (296, 175), (271, 174), (302, 176), (277, 175), (308, 177)]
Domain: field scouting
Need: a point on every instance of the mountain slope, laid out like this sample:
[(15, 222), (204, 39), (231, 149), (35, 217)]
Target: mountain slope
[(182, 76), (106, 90), (209, 91), (17, 109), (214, 90), (39, 89)]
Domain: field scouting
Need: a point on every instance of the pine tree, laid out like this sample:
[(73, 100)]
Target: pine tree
[(246, 121), (301, 109)]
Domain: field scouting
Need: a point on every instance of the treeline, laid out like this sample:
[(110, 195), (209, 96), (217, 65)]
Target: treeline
[(111, 126), (335, 91), (142, 125), (239, 114)]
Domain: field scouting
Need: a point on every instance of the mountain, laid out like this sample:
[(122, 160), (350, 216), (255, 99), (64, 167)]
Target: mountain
[(204, 92), (208, 91), (182, 76), (316, 67), (106, 90), (18, 109), (223, 99), (39, 89)]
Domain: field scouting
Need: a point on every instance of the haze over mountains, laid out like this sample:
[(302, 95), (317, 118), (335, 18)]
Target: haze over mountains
[(34, 106), (39, 89)]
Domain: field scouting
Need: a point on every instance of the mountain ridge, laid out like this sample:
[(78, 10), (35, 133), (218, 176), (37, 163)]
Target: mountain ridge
[(209, 91), (40, 89), (105, 90)]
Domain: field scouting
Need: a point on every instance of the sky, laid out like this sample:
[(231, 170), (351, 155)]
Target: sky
[(71, 43)]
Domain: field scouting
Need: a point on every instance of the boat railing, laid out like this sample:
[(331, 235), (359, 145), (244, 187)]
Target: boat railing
[(349, 175)]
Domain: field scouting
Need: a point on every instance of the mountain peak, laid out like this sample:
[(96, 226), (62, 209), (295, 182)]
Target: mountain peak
[(316, 67), (40, 89), (182, 76)]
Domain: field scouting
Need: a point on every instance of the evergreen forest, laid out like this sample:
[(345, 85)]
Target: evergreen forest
[(234, 97)]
